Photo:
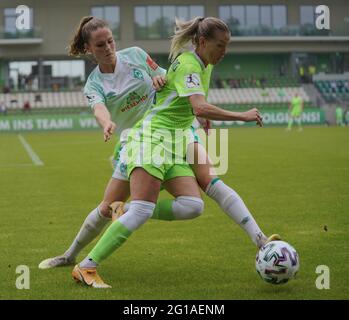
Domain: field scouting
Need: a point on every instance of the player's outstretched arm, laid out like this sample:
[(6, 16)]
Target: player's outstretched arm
[(104, 119), (203, 109)]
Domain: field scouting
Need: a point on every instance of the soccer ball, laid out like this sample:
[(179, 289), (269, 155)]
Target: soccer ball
[(277, 262)]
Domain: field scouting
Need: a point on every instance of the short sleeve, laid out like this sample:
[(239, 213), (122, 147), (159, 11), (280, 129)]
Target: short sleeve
[(153, 69), (187, 80), (94, 94)]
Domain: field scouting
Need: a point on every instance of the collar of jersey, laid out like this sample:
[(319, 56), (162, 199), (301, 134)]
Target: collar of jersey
[(199, 59), (118, 66)]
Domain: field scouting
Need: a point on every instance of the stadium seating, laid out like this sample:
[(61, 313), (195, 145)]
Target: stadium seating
[(74, 101), (70, 101), (333, 90), (240, 96)]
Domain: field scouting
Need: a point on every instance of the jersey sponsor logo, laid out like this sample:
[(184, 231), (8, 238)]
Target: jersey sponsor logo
[(91, 97), (132, 100), (151, 63), (175, 65), (192, 80), (138, 74)]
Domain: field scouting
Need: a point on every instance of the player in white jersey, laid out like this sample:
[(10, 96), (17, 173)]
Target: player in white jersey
[(107, 85)]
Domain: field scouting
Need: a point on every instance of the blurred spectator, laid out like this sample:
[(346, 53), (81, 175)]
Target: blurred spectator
[(26, 106), (302, 74), (282, 70), (3, 109), (263, 81), (339, 116), (38, 97), (6, 90), (311, 72), (219, 84), (225, 84), (233, 83), (253, 81)]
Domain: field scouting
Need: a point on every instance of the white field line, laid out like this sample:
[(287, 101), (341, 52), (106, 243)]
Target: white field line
[(36, 160)]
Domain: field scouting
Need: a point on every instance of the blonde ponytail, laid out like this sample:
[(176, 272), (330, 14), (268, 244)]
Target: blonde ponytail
[(192, 30)]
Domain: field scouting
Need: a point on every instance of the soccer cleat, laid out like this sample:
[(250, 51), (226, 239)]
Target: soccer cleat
[(262, 241), (117, 209), (273, 237), (59, 261), (89, 277)]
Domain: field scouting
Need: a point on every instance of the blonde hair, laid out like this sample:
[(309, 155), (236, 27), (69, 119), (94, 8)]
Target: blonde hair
[(192, 30), (82, 34)]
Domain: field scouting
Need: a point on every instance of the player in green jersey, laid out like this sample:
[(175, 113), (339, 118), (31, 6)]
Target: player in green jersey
[(296, 109), (183, 96), (339, 116)]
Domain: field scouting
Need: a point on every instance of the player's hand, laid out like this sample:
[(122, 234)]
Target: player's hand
[(253, 115), (158, 82), (108, 130), (205, 124)]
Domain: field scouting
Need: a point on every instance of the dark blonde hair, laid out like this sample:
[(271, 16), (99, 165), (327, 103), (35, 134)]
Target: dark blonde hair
[(83, 33), (192, 30)]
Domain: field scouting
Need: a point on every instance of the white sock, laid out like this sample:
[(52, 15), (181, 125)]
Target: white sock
[(234, 207), (90, 229), (138, 213), (185, 207)]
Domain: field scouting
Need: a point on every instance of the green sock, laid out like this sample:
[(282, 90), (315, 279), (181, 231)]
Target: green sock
[(163, 210), (112, 239), (290, 122)]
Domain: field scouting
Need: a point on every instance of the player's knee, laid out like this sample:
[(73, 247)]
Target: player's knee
[(104, 209), (204, 181), (192, 207)]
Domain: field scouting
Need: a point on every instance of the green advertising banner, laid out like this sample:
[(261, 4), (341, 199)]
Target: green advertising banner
[(279, 117), (47, 122), (88, 122)]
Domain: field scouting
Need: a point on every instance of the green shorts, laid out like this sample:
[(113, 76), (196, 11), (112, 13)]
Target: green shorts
[(296, 112), (165, 172), (123, 167)]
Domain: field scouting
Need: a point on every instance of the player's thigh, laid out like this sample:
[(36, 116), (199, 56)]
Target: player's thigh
[(182, 186), (144, 186), (116, 190), (202, 166)]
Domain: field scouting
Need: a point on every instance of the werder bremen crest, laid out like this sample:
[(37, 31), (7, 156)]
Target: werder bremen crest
[(138, 74)]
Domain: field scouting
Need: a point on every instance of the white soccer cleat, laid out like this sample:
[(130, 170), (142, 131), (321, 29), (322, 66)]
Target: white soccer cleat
[(59, 261)]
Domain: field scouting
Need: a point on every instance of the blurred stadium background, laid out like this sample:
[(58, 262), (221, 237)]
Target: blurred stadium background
[(275, 51)]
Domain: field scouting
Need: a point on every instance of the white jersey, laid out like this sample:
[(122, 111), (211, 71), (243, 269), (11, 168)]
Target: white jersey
[(128, 92)]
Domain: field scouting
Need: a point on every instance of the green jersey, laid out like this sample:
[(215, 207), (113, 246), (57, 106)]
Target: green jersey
[(186, 76), (127, 92), (339, 113), (296, 103)]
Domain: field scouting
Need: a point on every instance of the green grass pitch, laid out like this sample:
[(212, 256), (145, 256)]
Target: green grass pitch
[(294, 183)]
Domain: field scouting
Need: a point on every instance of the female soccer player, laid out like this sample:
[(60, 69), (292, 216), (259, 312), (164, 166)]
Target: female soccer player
[(296, 109), (183, 95)]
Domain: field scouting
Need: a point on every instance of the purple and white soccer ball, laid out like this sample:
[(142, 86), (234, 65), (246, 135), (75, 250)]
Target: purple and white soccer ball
[(277, 262)]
